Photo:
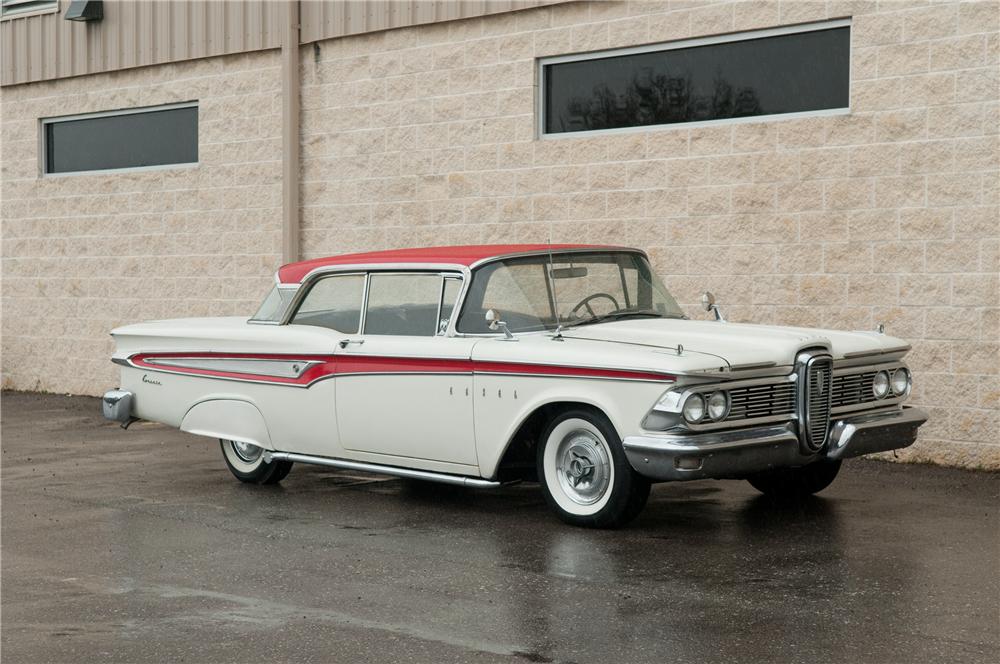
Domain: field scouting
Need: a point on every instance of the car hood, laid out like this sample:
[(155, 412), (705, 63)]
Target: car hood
[(739, 345)]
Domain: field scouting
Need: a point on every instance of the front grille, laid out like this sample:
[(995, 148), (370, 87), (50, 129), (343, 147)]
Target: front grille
[(762, 401), (816, 401), (853, 389)]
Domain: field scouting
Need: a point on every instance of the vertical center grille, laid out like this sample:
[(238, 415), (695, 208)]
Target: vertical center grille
[(816, 392)]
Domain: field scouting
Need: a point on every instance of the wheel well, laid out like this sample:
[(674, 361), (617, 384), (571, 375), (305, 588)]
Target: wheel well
[(518, 460)]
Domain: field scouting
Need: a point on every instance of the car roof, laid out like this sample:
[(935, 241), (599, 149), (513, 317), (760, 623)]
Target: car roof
[(464, 255)]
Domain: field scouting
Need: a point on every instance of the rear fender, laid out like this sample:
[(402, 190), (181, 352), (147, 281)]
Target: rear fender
[(230, 419)]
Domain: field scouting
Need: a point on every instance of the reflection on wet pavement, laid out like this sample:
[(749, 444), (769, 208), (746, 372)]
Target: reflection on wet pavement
[(138, 546)]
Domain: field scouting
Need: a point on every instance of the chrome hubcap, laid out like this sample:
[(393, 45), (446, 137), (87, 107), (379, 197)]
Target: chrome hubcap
[(583, 467), (246, 451)]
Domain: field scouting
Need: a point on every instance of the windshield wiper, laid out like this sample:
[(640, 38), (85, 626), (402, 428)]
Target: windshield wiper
[(615, 315)]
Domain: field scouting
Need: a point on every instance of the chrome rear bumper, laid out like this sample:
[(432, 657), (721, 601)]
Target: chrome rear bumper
[(117, 405), (734, 454)]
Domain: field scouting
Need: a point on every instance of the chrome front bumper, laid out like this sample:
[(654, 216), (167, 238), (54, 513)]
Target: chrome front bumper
[(735, 454)]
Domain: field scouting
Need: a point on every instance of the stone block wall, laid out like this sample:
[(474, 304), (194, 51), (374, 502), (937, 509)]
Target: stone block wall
[(426, 135), (85, 253)]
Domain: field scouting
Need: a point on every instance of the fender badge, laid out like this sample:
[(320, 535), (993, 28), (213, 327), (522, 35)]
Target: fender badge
[(151, 381)]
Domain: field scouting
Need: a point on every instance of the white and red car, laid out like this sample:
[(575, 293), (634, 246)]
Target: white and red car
[(571, 365)]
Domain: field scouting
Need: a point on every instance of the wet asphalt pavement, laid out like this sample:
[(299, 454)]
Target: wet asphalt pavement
[(138, 546)]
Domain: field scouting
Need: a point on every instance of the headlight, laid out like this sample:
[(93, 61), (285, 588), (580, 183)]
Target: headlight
[(694, 408), (880, 385), (718, 406), (900, 381)]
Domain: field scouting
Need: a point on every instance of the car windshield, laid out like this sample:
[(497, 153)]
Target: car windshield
[(273, 306), (542, 293)]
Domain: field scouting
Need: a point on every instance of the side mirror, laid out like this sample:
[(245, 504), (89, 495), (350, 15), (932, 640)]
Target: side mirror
[(494, 323), (708, 304), (707, 300)]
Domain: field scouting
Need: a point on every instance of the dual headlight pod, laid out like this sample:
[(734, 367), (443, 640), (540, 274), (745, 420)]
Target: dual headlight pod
[(897, 382), (697, 406)]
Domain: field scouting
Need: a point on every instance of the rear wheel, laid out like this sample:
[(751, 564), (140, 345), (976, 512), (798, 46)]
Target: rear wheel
[(585, 476), (787, 483), (246, 462)]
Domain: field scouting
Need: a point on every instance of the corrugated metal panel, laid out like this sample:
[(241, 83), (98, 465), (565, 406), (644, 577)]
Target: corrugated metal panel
[(133, 33), (322, 19)]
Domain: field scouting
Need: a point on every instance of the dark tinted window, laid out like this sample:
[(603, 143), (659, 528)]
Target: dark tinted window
[(129, 140), (806, 71)]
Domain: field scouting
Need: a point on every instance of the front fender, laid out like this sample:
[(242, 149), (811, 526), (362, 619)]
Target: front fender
[(230, 419), (504, 403)]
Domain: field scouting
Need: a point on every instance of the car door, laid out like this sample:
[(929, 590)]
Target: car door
[(404, 388), (334, 302)]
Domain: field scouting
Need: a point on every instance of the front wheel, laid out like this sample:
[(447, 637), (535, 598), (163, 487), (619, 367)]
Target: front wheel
[(585, 476), (246, 462), (788, 483)]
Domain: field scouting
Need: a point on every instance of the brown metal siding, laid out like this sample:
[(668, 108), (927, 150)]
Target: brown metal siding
[(136, 33), (322, 19), (133, 33)]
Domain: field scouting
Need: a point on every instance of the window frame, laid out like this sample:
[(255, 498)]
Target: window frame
[(542, 63), (463, 300), (303, 290), (43, 143), (302, 294), (443, 275)]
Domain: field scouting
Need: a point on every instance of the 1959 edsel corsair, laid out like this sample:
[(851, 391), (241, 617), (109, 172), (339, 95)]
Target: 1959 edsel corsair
[(571, 365)]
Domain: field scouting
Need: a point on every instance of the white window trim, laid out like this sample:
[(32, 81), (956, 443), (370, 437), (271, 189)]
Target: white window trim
[(541, 63), (44, 155)]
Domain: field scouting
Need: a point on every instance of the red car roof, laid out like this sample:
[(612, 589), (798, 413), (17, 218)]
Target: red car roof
[(293, 273)]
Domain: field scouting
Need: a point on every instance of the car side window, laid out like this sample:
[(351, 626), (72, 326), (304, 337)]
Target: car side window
[(403, 304), (333, 302)]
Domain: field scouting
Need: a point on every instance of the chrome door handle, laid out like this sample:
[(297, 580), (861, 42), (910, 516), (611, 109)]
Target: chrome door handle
[(344, 343)]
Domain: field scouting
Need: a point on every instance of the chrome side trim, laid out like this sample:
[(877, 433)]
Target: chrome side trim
[(395, 471), (880, 351), (259, 381), (291, 368), (749, 367), (666, 380)]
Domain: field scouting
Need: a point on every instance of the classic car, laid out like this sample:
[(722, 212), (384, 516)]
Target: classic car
[(569, 365)]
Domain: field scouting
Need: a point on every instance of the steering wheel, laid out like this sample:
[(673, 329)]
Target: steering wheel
[(585, 303)]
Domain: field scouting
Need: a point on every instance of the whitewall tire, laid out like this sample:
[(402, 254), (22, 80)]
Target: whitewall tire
[(246, 462), (585, 476)]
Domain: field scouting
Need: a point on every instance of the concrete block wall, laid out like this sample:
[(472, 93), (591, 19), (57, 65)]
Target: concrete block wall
[(426, 135), (85, 253)]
